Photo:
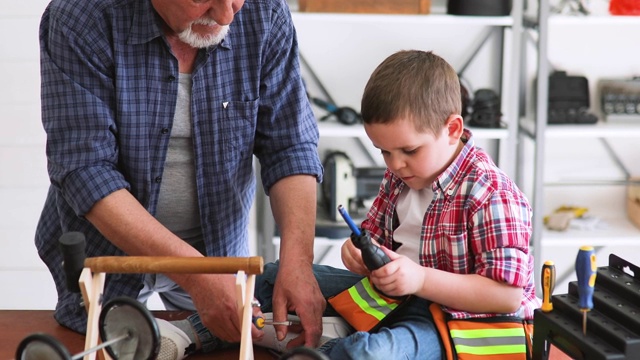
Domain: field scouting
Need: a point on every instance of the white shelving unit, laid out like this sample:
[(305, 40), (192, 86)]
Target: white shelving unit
[(334, 129), (595, 131), (344, 49), (595, 47)]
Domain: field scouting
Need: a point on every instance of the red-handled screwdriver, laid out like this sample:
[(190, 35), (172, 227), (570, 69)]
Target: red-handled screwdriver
[(548, 283), (586, 271)]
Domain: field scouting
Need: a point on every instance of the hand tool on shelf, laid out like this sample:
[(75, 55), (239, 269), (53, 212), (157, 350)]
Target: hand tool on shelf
[(586, 272), (548, 284)]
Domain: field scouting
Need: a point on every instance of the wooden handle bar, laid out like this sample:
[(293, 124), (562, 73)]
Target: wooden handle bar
[(175, 264)]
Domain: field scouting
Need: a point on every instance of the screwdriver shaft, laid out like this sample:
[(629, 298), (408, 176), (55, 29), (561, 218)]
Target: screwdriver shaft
[(586, 272), (261, 322), (285, 323)]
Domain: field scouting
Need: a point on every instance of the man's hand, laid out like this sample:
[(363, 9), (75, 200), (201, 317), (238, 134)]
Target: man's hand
[(214, 297), (401, 276), (297, 290)]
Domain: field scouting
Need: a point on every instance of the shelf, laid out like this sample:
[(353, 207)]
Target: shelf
[(618, 232), (599, 130), (386, 19), (593, 20), (335, 129)]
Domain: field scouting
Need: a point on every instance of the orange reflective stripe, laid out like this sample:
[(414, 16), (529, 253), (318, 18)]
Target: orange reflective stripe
[(490, 357), (362, 306), (483, 339)]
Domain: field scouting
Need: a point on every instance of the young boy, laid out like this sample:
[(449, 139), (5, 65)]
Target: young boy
[(454, 226)]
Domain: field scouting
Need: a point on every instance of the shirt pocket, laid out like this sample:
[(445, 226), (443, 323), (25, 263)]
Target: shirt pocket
[(238, 126), (457, 249)]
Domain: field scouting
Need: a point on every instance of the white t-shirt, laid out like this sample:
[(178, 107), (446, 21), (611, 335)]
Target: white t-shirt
[(412, 205)]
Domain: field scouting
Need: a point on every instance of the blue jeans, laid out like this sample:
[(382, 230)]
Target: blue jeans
[(409, 334)]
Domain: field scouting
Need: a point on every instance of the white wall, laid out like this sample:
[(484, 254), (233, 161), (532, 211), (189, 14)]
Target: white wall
[(24, 280)]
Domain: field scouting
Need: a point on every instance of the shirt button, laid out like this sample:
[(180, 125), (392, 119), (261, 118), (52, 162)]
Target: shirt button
[(164, 131), (450, 192), (171, 78), (396, 191), (158, 179), (386, 233)]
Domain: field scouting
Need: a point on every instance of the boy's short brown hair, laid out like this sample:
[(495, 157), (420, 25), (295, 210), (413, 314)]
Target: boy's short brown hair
[(413, 84)]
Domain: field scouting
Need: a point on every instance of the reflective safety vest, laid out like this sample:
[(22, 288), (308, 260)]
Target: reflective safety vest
[(362, 306), (499, 338)]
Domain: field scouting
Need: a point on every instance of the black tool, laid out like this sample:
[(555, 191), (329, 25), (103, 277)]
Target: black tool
[(72, 246), (372, 255), (344, 114)]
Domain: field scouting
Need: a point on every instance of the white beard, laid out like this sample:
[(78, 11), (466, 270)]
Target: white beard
[(189, 37)]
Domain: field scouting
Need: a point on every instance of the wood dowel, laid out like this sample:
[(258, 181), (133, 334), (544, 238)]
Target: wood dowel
[(174, 264)]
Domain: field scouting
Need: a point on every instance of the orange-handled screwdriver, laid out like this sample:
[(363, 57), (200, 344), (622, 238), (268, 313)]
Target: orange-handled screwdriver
[(260, 322), (548, 284), (586, 271)]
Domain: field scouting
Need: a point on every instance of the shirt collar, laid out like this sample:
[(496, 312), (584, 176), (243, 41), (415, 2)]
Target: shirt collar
[(446, 180), (146, 24)]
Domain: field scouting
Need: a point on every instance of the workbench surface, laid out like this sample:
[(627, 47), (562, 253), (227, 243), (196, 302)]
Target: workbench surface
[(15, 325)]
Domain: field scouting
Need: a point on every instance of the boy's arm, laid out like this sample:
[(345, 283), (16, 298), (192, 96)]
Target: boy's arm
[(465, 292), (469, 292)]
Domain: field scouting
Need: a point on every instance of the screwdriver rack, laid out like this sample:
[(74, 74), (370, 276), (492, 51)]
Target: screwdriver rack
[(613, 325)]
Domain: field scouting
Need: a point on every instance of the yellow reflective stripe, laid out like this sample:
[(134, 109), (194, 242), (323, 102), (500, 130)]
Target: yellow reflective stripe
[(363, 304), (489, 350), (485, 333), (375, 296)]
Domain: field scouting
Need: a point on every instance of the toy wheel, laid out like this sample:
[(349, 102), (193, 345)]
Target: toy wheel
[(41, 347), (129, 320)]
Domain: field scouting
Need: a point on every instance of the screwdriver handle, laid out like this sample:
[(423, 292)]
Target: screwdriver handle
[(586, 272), (258, 321), (548, 284)]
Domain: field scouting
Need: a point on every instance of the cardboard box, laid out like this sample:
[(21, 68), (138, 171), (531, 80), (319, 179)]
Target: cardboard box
[(367, 6), (633, 203)]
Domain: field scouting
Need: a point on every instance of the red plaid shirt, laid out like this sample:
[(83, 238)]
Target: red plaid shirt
[(478, 222)]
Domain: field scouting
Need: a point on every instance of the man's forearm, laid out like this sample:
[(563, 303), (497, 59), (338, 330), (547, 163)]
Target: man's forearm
[(293, 201), (130, 227)]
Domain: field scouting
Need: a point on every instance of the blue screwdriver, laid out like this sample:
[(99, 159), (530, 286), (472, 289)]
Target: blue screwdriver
[(586, 272)]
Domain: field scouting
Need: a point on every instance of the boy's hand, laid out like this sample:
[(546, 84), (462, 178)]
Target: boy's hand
[(402, 276), (352, 258)]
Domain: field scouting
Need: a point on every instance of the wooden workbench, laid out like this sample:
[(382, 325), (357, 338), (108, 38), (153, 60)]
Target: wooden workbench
[(15, 325)]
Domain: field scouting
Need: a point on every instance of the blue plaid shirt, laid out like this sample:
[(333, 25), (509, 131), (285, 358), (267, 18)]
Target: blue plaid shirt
[(109, 88)]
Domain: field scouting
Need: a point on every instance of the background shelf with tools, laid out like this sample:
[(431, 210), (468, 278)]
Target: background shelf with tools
[(580, 165)]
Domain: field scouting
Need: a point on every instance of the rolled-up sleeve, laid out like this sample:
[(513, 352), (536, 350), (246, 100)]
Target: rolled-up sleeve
[(77, 95), (287, 133)]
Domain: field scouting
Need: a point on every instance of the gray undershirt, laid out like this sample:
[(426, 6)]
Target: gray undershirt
[(178, 201)]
